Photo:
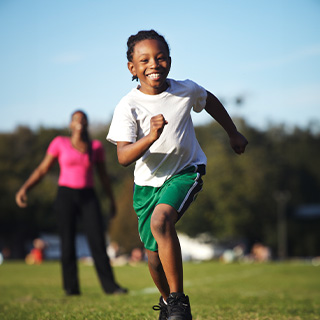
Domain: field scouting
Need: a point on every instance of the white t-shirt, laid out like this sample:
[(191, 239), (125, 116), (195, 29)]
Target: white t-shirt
[(177, 147)]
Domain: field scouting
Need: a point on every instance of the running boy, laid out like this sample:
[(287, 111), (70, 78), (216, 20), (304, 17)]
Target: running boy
[(152, 126)]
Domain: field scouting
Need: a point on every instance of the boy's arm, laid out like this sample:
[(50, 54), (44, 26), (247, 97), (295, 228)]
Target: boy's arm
[(214, 107), (129, 152)]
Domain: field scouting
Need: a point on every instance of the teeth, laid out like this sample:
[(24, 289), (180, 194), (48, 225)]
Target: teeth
[(154, 75)]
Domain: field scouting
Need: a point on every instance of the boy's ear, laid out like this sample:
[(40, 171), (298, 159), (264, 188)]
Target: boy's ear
[(132, 68)]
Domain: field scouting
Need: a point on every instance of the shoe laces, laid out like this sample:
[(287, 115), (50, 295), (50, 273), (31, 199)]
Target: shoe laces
[(178, 304), (163, 311)]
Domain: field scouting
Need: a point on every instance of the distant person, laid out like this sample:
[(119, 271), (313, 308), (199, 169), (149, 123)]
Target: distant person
[(260, 252), (77, 156), (152, 126), (36, 254)]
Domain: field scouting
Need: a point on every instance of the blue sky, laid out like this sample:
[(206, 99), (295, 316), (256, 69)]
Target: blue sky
[(58, 56)]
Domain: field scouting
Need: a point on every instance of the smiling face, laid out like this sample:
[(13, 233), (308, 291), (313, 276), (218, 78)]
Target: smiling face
[(151, 64)]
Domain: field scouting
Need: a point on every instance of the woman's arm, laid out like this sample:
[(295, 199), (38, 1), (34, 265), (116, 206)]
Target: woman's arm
[(214, 107), (35, 177)]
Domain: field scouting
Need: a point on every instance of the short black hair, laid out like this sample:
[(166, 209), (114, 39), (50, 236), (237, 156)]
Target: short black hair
[(144, 35)]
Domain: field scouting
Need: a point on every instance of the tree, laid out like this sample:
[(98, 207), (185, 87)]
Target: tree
[(237, 201)]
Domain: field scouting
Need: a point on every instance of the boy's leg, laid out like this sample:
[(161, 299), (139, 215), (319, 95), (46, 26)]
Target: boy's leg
[(157, 273), (163, 229)]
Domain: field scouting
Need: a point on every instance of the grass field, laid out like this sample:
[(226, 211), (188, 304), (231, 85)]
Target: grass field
[(234, 291)]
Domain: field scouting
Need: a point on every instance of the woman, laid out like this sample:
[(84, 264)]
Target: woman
[(77, 156)]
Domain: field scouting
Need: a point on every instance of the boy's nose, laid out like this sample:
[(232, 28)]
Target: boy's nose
[(155, 63)]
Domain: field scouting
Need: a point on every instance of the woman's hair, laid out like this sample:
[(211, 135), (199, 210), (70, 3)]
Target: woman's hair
[(143, 35), (81, 111), (85, 133)]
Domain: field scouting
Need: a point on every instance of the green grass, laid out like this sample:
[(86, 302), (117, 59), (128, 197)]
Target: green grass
[(236, 291)]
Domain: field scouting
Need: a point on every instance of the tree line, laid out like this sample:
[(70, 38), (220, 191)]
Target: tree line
[(239, 202)]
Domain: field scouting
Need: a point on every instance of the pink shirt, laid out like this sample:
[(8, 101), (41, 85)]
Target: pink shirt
[(76, 171)]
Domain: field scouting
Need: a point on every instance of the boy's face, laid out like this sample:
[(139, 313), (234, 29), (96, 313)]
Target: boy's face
[(151, 64)]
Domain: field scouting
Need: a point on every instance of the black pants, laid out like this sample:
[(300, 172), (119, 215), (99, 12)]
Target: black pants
[(69, 205)]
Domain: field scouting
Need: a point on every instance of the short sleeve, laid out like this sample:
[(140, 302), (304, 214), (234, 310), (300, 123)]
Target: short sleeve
[(200, 97), (98, 151), (123, 125), (54, 147)]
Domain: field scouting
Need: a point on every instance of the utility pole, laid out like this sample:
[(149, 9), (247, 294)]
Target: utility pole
[(282, 198)]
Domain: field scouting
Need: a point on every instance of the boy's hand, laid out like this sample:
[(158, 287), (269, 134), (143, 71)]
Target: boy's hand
[(129, 152), (157, 124), (238, 142)]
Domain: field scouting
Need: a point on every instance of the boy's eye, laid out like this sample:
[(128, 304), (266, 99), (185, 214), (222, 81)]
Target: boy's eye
[(144, 60)]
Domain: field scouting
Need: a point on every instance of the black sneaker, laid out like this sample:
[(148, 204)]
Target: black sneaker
[(118, 290), (178, 307), (163, 309), (72, 293)]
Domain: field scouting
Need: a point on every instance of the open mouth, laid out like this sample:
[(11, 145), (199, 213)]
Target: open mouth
[(154, 76)]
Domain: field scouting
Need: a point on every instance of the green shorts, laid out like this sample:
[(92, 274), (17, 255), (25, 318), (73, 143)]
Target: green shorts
[(179, 192)]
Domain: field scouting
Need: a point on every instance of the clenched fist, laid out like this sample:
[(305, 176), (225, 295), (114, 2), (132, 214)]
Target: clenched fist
[(157, 124)]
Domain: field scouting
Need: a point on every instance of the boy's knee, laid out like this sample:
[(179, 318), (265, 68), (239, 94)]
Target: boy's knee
[(163, 219), (159, 222)]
